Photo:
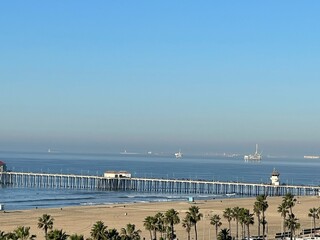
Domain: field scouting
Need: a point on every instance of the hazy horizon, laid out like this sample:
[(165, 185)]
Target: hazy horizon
[(270, 150), (209, 77)]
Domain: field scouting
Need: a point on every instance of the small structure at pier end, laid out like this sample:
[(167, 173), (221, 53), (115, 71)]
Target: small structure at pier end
[(115, 174), (3, 167), (275, 180)]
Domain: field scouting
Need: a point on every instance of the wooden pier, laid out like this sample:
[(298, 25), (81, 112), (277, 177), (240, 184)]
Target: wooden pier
[(151, 185)]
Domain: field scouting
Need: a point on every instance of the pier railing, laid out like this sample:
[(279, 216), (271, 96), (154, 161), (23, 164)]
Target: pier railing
[(170, 186)]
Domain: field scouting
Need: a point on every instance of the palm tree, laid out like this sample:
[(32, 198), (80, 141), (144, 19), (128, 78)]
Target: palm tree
[(256, 210), (290, 201), (2, 235), (159, 226), (187, 224), (292, 224), (224, 234), (130, 232), (264, 223), (23, 233), (76, 237), (262, 205), (215, 220), (99, 231), (168, 233), (57, 235), (227, 214), (235, 215), (113, 234), (149, 224), (172, 217), (195, 216), (283, 210), (314, 214), (241, 221), (246, 218), (45, 222), (10, 236)]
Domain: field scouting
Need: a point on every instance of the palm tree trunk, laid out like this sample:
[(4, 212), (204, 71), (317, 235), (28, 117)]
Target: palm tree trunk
[(242, 231), (172, 232), (263, 225), (150, 234), (259, 225), (248, 231), (237, 223), (314, 226), (230, 228), (284, 225), (46, 232), (195, 231), (216, 232)]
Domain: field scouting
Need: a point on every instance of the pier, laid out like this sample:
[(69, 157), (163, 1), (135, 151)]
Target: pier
[(150, 185)]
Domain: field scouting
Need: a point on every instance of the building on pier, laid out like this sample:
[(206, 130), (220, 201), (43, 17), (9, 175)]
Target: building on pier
[(275, 180), (3, 167), (115, 174)]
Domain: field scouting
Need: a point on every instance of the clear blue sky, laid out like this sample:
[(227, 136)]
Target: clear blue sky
[(201, 76)]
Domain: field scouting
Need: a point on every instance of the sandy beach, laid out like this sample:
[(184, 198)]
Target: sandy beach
[(80, 219)]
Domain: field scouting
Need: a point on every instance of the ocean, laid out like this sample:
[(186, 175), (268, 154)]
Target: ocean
[(297, 171)]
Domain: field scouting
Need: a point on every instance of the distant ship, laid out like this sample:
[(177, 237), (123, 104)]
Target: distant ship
[(127, 153), (51, 151), (255, 157), (178, 154), (311, 157)]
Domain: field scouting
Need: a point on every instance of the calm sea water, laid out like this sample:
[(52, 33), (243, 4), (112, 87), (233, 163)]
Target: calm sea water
[(292, 171)]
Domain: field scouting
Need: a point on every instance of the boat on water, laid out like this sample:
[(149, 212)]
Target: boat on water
[(311, 157), (128, 153), (254, 157), (178, 154)]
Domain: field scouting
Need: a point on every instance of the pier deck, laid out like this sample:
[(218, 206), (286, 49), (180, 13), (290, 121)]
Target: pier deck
[(170, 186)]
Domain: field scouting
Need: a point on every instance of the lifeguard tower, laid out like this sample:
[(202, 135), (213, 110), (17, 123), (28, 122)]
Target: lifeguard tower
[(275, 180)]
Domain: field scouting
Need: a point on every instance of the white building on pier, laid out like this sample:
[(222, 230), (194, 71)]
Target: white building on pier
[(115, 174)]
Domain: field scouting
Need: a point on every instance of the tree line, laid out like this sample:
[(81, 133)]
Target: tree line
[(161, 226)]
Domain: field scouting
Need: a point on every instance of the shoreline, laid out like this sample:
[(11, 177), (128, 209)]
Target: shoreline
[(80, 219)]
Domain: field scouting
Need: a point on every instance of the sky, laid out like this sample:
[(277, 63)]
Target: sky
[(200, 76)]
